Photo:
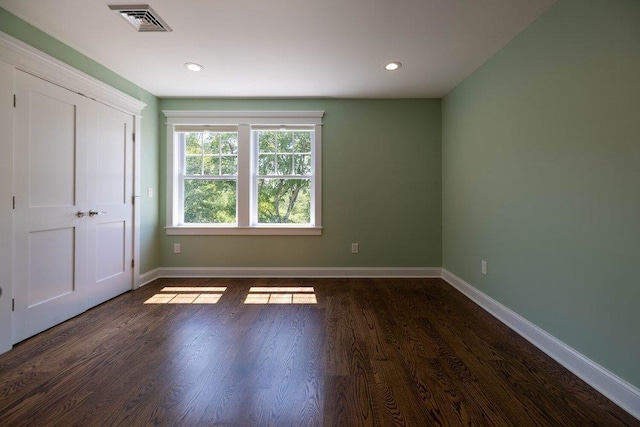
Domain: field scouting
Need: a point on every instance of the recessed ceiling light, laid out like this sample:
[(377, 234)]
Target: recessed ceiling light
[(192, 66), (392, 66)]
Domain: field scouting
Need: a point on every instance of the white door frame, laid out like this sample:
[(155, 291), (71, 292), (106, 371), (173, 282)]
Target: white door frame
[(24, 57), (7, 73)]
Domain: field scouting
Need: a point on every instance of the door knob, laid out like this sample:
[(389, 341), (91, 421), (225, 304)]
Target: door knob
[(80, 214), (94, 213)]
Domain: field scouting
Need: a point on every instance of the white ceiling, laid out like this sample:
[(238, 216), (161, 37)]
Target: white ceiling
[(290, 48)]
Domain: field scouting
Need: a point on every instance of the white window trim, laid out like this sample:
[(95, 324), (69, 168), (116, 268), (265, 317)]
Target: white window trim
[(244, 120)]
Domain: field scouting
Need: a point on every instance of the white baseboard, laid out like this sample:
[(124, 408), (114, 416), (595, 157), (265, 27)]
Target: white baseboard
[(297, 272), (613, 387), (148, 277)]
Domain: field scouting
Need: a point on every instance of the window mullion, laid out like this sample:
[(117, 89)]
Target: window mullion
[(244, 175), (219, 155), (201, 154), (176, 195), (293, 156)]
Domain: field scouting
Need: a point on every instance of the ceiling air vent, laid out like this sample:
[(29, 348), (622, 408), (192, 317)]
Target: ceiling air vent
[(142, 17)]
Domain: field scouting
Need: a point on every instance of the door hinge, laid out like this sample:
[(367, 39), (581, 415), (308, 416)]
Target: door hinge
[(133, 263), (133, 200), (14, 202), (14, 101), (134, 137), (13, 304)]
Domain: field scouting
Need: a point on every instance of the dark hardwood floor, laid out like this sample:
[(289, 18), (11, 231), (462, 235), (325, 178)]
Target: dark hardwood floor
[(386, 352)]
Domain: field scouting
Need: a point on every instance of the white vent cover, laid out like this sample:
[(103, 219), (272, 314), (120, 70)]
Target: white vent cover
[(142, 17)]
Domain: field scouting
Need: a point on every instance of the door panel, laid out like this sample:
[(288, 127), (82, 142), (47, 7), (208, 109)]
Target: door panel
[(111, 193), (49, 239), (50, 277), (51, 151), (110, 249), (112, 158)]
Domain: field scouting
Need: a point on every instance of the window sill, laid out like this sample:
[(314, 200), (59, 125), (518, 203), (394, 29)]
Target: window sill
[(243, 231)]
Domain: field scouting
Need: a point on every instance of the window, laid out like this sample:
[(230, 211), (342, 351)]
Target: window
[(243, 172), (209, 176), (283, 179)]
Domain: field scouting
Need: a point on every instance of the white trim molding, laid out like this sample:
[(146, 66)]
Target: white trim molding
[(243, 231), (295, 272), (148, 277), (216, 117), (610, 385), (37, 63)]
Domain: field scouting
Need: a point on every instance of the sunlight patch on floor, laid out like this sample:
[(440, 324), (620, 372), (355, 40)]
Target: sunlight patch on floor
[(215, 289), (281, 295), (187, 295)]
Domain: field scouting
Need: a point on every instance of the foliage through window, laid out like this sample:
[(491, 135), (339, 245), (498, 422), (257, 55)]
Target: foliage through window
[(231, 176), (283, 181), (210, 176)]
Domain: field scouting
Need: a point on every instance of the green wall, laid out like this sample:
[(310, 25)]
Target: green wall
[(29, 34), (381, 188), (541, 178)]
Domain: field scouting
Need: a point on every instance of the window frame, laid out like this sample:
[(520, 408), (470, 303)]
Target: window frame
[(246, 194), (256, 176), (182, 175)]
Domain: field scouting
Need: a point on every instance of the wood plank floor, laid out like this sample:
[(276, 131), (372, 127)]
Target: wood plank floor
[(411, 352)]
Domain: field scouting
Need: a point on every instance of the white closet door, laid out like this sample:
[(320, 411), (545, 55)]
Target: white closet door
[(74, 212), (50, 188), (110, 196)]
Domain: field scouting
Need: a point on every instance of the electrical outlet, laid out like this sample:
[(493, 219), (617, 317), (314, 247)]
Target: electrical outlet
[(483, 266), (149, 192), (355, 248), (176, 248)]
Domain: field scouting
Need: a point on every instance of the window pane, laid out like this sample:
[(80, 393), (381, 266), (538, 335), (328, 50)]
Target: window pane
[(229, 165), (302, 164), (266, 164), (284, 142), (211, 165), (211, 143), (228, 143), (209, 201), (193, 165), (267, 141), (285, 164), (194, 144), (302, 142), (284, 201)]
